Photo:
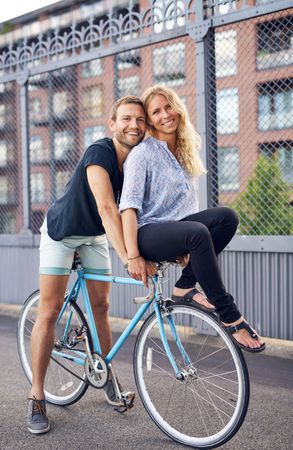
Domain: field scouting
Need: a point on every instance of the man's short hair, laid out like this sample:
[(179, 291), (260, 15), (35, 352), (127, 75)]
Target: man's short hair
[(126, 100)]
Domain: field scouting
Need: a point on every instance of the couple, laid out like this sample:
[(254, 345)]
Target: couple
[(158, 220)]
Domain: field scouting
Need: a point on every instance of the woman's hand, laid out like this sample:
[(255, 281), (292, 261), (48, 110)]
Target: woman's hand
[(137, 269)]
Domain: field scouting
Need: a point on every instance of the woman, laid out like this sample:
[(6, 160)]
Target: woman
[(160, 217)]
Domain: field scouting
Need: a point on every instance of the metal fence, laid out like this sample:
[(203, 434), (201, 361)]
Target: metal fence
[(229, 61), (249, 102)]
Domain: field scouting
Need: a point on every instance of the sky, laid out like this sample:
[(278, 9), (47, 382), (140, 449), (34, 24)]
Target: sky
[(14, 8)]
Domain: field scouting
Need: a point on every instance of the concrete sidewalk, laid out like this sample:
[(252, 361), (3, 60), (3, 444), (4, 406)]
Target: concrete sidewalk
[(280, 348)]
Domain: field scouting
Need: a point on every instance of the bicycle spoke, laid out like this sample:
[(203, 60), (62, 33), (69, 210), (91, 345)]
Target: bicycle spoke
[(205, 404)]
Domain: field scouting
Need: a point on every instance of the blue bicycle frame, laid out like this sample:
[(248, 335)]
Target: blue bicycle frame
[(80, 285)]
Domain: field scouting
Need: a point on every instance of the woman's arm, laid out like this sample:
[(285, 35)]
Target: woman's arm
[(138, 268), (136, 264)]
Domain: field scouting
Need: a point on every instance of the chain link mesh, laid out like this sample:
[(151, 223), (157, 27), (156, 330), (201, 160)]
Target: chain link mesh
[(69, 109), (10, 160), (250, 118), (249, 115)]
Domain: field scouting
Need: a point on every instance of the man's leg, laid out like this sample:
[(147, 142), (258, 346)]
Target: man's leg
[(99, 296), (52, 289)]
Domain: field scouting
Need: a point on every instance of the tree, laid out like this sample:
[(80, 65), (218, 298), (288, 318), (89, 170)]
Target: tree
[(263, 207)]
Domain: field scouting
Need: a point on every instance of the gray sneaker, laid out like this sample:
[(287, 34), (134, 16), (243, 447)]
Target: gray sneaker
[(37, 420), (110, 393)]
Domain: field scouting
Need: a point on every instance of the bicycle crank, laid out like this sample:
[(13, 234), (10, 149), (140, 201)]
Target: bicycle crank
[(96, 370)]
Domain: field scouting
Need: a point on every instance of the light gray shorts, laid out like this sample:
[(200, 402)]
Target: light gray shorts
[(56, 256)]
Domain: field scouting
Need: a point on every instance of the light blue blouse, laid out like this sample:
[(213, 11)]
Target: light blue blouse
[(156, 185)]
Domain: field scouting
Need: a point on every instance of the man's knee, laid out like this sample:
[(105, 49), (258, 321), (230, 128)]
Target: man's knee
[(48, 313), (101, 304)]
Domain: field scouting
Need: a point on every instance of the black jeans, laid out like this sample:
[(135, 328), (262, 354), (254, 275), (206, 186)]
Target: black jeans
[(203, 235)]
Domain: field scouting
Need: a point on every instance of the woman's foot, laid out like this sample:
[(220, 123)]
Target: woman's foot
[(245, 336), (198, 298)]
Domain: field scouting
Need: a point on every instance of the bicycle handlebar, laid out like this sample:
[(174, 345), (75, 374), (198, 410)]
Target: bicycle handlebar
[(150, 296)]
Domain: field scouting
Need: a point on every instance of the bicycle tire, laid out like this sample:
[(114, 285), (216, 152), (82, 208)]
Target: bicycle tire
[(203, 411), (61, 386)]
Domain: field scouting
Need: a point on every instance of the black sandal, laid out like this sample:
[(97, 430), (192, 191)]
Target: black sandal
[(188, 298), (231, 329)]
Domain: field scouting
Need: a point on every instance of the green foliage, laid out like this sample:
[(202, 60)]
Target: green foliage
[(264, 208)]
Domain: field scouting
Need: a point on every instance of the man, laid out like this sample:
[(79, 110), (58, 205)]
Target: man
[(79, 219)]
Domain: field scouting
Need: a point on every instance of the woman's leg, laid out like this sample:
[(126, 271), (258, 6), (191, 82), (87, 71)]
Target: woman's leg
[(160, 242), (222, 224)]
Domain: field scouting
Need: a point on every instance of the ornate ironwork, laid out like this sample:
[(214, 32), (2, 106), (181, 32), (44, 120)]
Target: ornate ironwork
[(162, 16)]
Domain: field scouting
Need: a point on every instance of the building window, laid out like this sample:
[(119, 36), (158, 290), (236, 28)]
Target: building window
[(275, 105), (284, 152), (37, 151), (227, 111), (62, 179), (6, 192), (61, 103), (130, 58), (36, 112), (226, 53), (37, 220), (3, 118), (224, 8), (6, 87), (92, 102), (7, 223), (6, 153), (275, 43), (92, 68), (169, 64), (128, 86), (63, 144), (37, 187), (228, 169), (92, 134)]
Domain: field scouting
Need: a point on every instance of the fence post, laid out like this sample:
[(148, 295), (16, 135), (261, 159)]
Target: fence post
[(203, 35), (22, 80)]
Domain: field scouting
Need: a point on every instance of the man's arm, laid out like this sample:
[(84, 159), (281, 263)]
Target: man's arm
[(101, 187)]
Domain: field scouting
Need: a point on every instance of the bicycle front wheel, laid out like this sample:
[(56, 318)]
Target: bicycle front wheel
[(208, 406), (65, 381)]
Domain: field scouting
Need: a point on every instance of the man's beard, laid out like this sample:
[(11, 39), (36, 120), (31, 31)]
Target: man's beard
[(125, 144)]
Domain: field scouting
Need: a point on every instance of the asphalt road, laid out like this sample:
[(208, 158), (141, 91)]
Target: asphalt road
[(91, 424)]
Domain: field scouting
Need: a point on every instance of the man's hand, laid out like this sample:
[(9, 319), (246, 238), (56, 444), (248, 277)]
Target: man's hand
[(152, 268), (182, 260)]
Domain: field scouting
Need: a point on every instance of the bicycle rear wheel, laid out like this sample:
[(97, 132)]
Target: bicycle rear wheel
[(207, 408), (65, 381)]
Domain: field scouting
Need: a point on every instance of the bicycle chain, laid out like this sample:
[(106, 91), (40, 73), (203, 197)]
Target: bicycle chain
[(70, 371)]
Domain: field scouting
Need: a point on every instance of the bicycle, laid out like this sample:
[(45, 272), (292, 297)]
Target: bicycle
[(191, 378)]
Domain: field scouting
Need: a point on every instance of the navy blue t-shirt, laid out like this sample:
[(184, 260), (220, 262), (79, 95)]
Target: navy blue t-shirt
[(76, 212)]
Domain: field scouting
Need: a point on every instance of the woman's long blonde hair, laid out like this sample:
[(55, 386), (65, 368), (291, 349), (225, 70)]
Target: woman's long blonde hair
[(188, 140)]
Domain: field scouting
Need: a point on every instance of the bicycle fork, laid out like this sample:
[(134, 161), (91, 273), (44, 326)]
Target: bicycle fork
[(180, 374)]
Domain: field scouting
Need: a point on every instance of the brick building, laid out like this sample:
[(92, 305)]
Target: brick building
[(69, 107)]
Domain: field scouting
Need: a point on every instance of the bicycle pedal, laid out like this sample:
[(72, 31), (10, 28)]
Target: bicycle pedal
[(128, 399)]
